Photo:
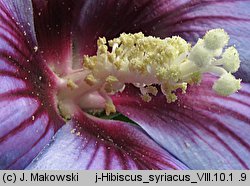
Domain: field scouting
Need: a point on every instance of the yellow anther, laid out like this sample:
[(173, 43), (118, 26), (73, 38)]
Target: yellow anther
[(151, 90), (139, 35), (111, 79), (102, 49), (174, 73), (179, 44), (110, 82), (111, 58), (127, 40), (65, 111), (146, 97), (167, 90), (161, 73), (114, 41), (137, 65), (89, 62), (195, 78), (182, 86), (171, 97), (118, 51), (71, 84), (109, 108), (118, 64), (101, 41), (90, 79)]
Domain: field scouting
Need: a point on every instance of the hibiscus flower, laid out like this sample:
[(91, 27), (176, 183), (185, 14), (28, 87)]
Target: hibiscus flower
[(43, 43)]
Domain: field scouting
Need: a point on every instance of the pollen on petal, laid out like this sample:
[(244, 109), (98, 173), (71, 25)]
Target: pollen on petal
[(110, 108)]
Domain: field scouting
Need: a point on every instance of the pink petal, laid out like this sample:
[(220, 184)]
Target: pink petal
[(90, 143), (202, 129), (27, 115), (53, 23)]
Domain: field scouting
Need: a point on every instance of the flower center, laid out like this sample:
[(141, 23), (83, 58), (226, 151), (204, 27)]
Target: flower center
[(145, 62)]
